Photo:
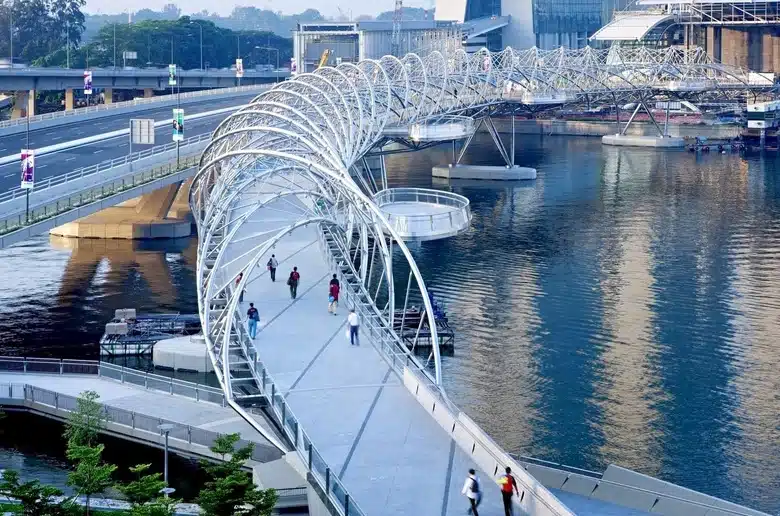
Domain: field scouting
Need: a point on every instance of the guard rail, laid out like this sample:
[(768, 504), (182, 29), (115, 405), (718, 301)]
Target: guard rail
[(45, 211), (91, 170), (132, 420), (319, 472), (133, 103), (196, 391)]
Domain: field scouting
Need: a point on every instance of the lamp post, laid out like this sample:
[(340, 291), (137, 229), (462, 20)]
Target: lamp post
[(114, 46), (269, 50), (200, 26), (166, 429)]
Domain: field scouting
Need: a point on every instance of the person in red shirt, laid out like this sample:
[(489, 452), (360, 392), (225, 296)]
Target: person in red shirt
[(292, 281), (333, 295), (508, 486)]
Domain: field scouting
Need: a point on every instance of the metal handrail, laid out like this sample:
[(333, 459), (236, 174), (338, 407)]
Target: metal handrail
[(102, 166), (423, 195), (127, 418), (135, 102), (29, 365), (307, 452)]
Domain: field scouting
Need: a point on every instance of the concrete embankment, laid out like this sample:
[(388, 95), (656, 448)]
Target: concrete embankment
[(597, 128)]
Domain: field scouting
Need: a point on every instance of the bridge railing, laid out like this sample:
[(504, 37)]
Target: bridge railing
[(45, 211), (319, 470), (98, 168), (417, 378), (151, 381), (135, 102), (184, 433)]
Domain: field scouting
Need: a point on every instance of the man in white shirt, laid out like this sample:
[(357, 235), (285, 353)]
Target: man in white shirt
[(472, 491), (354, 324)]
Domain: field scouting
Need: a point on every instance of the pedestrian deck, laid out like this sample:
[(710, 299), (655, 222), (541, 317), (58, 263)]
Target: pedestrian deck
[(134, 411), (392, 456)]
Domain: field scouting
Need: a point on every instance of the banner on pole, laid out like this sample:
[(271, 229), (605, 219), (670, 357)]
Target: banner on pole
[(239, 67), (87, 82), (178, 125), (142, 131), (28, 169), (171, 75)]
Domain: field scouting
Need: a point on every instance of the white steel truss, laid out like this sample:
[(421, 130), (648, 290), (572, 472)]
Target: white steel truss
[(283, 162)]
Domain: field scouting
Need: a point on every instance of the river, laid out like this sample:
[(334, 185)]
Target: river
[(622, 308)]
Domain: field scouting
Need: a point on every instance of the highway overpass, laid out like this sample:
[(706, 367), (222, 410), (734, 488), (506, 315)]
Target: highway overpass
[(19, 79)]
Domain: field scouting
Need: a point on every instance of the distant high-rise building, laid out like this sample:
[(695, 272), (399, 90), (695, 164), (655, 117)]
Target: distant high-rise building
[(546, 24)]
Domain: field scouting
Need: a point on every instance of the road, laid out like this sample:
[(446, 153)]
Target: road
[(64, 161)]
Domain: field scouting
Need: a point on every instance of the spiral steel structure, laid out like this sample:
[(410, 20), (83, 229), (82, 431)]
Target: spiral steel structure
[(284, 162)]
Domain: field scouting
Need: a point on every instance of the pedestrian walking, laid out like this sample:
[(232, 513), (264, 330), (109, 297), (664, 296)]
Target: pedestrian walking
[(508, 485), (472, 491), (292, 281), (354, 323), (252, 316), (272, 265), (238, 282), (333, 295)]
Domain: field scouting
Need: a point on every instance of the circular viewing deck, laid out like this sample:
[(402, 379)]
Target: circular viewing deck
[(452, 127), (423, 214)]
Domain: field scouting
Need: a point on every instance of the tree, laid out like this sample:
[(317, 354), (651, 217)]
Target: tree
[(143, 493), (35, 499), (86, 422), (230, 490), (90, 475)]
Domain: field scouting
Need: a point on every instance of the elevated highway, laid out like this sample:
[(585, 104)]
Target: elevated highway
[(50, 78)]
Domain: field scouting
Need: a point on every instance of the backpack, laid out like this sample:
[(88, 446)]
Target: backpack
[(474, 485), (507, 483)]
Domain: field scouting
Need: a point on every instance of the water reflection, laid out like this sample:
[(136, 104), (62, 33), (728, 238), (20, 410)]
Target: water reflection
[(58, 293), (620, 309)]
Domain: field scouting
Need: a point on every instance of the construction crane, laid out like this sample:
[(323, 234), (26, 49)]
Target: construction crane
[(396, 40), (324, 58)]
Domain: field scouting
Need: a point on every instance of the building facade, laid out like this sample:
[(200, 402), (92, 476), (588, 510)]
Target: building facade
[(546, 24)]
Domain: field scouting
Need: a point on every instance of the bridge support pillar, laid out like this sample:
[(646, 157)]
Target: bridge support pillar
[(108, 96), (69, 99), (148, 93), (24, 103), (145, 217)]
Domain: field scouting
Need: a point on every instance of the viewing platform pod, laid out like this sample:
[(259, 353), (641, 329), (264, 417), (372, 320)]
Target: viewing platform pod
[(423, 214)]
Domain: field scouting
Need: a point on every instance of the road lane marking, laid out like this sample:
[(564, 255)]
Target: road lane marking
[(97, 151), (9, 175), (70, 158)]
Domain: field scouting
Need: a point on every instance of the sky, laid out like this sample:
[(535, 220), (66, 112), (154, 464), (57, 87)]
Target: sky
[(326, 7)]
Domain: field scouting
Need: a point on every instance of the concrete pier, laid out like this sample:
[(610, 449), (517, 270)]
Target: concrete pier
[(145, 217), (624, 140), (485, 172)]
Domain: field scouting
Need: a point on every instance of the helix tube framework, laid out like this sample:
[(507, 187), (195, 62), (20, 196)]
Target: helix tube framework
[(282, 164)]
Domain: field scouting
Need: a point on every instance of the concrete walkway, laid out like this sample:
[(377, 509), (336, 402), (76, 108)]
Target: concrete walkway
[(149, 403), (392, 457)]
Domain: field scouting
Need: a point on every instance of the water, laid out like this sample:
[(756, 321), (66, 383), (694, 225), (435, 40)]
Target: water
[(620, 309)]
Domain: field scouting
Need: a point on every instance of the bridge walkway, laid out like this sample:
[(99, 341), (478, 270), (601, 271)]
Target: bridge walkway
[(389, 453)]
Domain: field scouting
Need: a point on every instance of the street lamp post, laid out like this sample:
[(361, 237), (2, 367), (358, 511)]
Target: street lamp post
[(200, 26), (114, 46), (166, 429), (269, 50)]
